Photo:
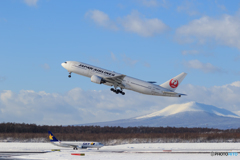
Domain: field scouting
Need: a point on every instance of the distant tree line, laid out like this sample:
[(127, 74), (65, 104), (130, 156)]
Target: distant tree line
[(33, 128), (97, 133)]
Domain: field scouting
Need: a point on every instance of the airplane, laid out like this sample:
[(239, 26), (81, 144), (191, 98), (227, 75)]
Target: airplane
[(74, 145), (121, 81)]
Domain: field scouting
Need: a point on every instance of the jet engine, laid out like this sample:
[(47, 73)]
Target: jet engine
[(97, 79)]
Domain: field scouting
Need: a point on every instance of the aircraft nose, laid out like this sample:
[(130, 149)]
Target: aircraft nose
[(64, 64)]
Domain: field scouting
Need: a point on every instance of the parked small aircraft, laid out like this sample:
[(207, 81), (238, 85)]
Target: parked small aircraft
[(74, 145)]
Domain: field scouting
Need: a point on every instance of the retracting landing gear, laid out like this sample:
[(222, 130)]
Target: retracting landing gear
[(69, 76), (117, 91)]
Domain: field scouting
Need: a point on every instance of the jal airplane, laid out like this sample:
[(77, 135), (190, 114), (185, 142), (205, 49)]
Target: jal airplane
[(121, 81), (74, 145)]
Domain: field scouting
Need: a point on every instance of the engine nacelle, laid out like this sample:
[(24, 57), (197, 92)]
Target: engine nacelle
[(97, 79)]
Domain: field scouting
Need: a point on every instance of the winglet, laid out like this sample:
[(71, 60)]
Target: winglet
[(51, 137)]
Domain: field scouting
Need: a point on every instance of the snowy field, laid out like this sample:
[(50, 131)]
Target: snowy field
[(143, 151)]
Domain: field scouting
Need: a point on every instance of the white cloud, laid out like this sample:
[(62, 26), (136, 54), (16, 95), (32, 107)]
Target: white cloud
[(45, 66), (145, 27), (31, 2), (190, 52), (225, 96), (101, 19), (222, 7), (196, 52), (128, 60), (205, 67), (94, 60), (3, 20), (135, 22), (188, 7), (149, 3), (153, 3), (237, 112), (237, 58), (78, 106), (235, 84), (2, 79), (146, 64), (74, 107), (223, 31), (113, 56)]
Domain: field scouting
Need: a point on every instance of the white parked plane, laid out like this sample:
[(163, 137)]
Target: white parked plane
[(74, 145), (111, 78)]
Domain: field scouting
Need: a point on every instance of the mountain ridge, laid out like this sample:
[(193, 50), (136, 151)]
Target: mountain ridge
[(190, 114), (190, 106)]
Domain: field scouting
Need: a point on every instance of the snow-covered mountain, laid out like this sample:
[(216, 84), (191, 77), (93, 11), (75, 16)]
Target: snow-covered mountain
[(190, 106), (191, 114)]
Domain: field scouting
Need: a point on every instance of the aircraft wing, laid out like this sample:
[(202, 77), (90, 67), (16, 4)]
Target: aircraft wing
[(173, 94), (74, 146), (116, 80)]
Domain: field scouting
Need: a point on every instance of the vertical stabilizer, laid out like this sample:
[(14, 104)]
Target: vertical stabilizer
[(173, 83), (51, 137)]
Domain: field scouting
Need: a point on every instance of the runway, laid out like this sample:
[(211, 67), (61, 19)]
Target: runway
[(5, 153), (127, 151)]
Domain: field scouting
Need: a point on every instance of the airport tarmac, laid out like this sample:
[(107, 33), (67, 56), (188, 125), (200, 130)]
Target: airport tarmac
[(127, 151)]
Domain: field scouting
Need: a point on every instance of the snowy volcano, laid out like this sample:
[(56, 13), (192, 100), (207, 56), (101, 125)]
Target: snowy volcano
[(191, 114), (190, 107)]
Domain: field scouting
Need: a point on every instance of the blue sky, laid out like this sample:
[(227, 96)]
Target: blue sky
[(152, 40)]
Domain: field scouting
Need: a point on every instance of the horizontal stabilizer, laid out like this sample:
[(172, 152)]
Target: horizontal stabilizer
[(151, 82), (182, 94)]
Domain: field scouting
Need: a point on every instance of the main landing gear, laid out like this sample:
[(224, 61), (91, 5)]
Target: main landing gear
[(117, 91), (75, 148), (69, 76)]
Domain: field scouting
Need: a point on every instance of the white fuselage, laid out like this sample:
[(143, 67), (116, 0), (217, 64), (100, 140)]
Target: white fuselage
[(83, 145), (129, 83)]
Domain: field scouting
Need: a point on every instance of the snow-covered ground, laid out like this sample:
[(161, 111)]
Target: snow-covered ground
[(128, 151)]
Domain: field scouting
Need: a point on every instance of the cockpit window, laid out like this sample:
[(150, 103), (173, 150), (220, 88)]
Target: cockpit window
[(65, 62)]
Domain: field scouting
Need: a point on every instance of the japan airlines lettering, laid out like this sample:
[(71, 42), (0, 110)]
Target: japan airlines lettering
[(119, 82), (95, 69)]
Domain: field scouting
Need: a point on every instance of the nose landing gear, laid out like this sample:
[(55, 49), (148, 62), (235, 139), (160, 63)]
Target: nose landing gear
[(117, 91), (69, 76)]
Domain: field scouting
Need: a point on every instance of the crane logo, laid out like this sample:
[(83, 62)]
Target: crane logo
[(173, 83)]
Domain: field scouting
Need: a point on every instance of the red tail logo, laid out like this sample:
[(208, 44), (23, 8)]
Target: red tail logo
[(173, 83)]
